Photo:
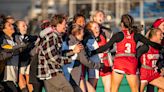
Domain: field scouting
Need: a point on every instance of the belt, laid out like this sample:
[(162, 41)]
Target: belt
[(147, 67), (125, 54)]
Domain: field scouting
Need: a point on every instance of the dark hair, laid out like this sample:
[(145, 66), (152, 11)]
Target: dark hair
[(56, 19), (77, 16), (128, 22), (45, 24), (76, 29), (3, 21)]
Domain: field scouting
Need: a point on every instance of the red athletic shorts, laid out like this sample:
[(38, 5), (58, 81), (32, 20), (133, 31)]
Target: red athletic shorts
[(106, 69), (148, 75), (125, 64)]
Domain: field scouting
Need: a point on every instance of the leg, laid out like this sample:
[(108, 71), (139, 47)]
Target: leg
[(93, 82), (10, 87), (142, 86), (133, 81), (58, 83), (158, 82), (90, 88), (116, 80), (83, 85), (2, 87), (107, 83), (22, 81), (160, 90), (37, 87), (30, 87)]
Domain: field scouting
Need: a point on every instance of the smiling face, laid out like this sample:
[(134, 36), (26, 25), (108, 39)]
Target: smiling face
[(155, 35), (95, 29), (22, 27), (80, 21), (8, 29)]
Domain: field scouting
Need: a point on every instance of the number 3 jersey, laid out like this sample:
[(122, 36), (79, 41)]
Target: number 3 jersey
[(127, 45)]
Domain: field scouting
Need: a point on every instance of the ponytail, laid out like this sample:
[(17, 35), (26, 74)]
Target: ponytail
[(128, 23)]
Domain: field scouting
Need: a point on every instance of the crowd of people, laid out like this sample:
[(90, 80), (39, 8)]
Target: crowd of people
[(70, 56)]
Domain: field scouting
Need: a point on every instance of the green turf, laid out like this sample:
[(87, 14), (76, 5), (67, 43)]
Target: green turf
[(123, 88)]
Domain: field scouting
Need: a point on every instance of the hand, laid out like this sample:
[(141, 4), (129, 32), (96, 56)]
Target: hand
[(26, 39), (19, 46), (78, 48)]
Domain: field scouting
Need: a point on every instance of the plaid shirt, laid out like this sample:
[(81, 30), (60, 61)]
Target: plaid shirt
[(50, 56)]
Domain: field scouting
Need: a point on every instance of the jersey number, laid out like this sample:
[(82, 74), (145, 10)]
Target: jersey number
[(128, 48)]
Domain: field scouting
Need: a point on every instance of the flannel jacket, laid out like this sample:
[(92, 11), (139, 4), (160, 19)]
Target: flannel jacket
[(50, 54)]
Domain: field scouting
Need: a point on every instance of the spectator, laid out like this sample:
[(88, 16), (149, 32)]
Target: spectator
[(51, 58)]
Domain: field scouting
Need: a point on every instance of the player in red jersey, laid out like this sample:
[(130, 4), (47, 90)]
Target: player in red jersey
[(97, 39), (148, 57), (158, 23), (125, 61)]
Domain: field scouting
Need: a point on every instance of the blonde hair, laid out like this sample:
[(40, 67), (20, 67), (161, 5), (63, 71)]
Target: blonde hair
[(151, 32), (94, 13)]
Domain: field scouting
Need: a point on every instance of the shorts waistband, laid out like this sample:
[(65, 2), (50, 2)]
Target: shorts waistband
[(147, 67), (125, 54)]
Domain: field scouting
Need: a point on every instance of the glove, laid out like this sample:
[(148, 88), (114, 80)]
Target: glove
[(26, 39)]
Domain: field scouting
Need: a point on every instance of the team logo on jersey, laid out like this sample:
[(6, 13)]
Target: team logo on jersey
[(153, 56)]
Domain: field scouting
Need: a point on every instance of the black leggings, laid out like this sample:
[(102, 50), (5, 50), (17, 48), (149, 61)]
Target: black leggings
[(10, 86), (37, 87)]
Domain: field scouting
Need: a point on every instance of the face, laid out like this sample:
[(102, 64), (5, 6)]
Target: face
[(80, 21), (80, 35), (161, 26), (95, 29), (159, 36), (22, 27), (99, 17), (9, 29), (62, 27)]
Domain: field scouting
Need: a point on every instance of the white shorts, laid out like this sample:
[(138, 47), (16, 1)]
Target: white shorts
[(25, 69), (93, 73)]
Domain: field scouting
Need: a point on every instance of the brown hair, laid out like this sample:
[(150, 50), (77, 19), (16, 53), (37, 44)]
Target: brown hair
[(76, 29), (56, 19), (128, 22)]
